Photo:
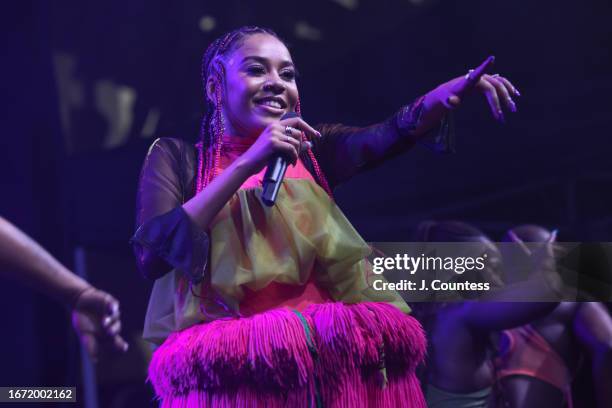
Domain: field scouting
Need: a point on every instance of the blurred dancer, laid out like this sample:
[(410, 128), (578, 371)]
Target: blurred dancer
[(459, 368), (95, 314), (538, 361), (241, 303)]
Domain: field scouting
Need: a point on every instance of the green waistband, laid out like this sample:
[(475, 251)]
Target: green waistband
[(313, 353)]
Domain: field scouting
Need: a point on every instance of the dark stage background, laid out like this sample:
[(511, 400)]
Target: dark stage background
[(88, 85)]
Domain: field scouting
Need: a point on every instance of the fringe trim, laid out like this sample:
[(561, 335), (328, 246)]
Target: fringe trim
[(264, 360), (243, 397)]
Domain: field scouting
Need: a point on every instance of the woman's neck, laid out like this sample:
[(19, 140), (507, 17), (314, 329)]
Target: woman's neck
[(237, 143)]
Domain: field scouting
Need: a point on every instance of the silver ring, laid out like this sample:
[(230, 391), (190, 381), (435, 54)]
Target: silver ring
[(288, 134), (467, 76)]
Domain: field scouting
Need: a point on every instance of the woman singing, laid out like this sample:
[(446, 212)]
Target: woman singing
[(270, 306)]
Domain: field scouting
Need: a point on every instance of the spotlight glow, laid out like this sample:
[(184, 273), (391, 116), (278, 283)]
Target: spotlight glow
[(207, 23)]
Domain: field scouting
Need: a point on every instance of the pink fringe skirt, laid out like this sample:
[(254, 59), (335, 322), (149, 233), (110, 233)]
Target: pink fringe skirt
[(332, 355)]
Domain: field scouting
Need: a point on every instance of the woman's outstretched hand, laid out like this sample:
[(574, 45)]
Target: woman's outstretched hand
[(287, 137), (96, 319), (499, 91)]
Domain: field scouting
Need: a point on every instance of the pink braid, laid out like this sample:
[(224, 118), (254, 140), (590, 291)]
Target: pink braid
[(219, 132), (317, 169), (199, 182), (213, 153)]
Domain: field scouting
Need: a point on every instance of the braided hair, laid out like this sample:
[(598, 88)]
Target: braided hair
[(212, 127)]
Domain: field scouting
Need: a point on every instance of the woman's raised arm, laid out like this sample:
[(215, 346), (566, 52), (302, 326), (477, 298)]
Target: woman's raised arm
[(344, 151)]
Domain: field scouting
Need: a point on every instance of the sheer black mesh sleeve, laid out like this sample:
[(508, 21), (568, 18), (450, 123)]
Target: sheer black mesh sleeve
[(344, 151), (165, 237)]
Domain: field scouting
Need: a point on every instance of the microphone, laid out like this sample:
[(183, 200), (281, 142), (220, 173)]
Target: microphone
[(275, 173)]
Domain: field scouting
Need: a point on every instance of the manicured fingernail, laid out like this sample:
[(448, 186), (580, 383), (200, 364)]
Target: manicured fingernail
[(501, 117), (309, 144), (106, 321), (512, 105), (318, 133), (516, 92)]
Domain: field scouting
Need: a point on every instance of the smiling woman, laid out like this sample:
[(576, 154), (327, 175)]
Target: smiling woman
[(255, 305), (259, 85)]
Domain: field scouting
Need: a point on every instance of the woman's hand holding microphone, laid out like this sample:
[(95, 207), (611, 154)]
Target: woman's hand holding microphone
[(287, 137)]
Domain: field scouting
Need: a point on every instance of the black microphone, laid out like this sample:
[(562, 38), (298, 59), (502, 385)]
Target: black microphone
[(275, 173)]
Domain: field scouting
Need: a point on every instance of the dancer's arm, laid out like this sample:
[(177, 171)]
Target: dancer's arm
[(493, 316), (95, 314), (593, 329), (505, 309), (26, 262)]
